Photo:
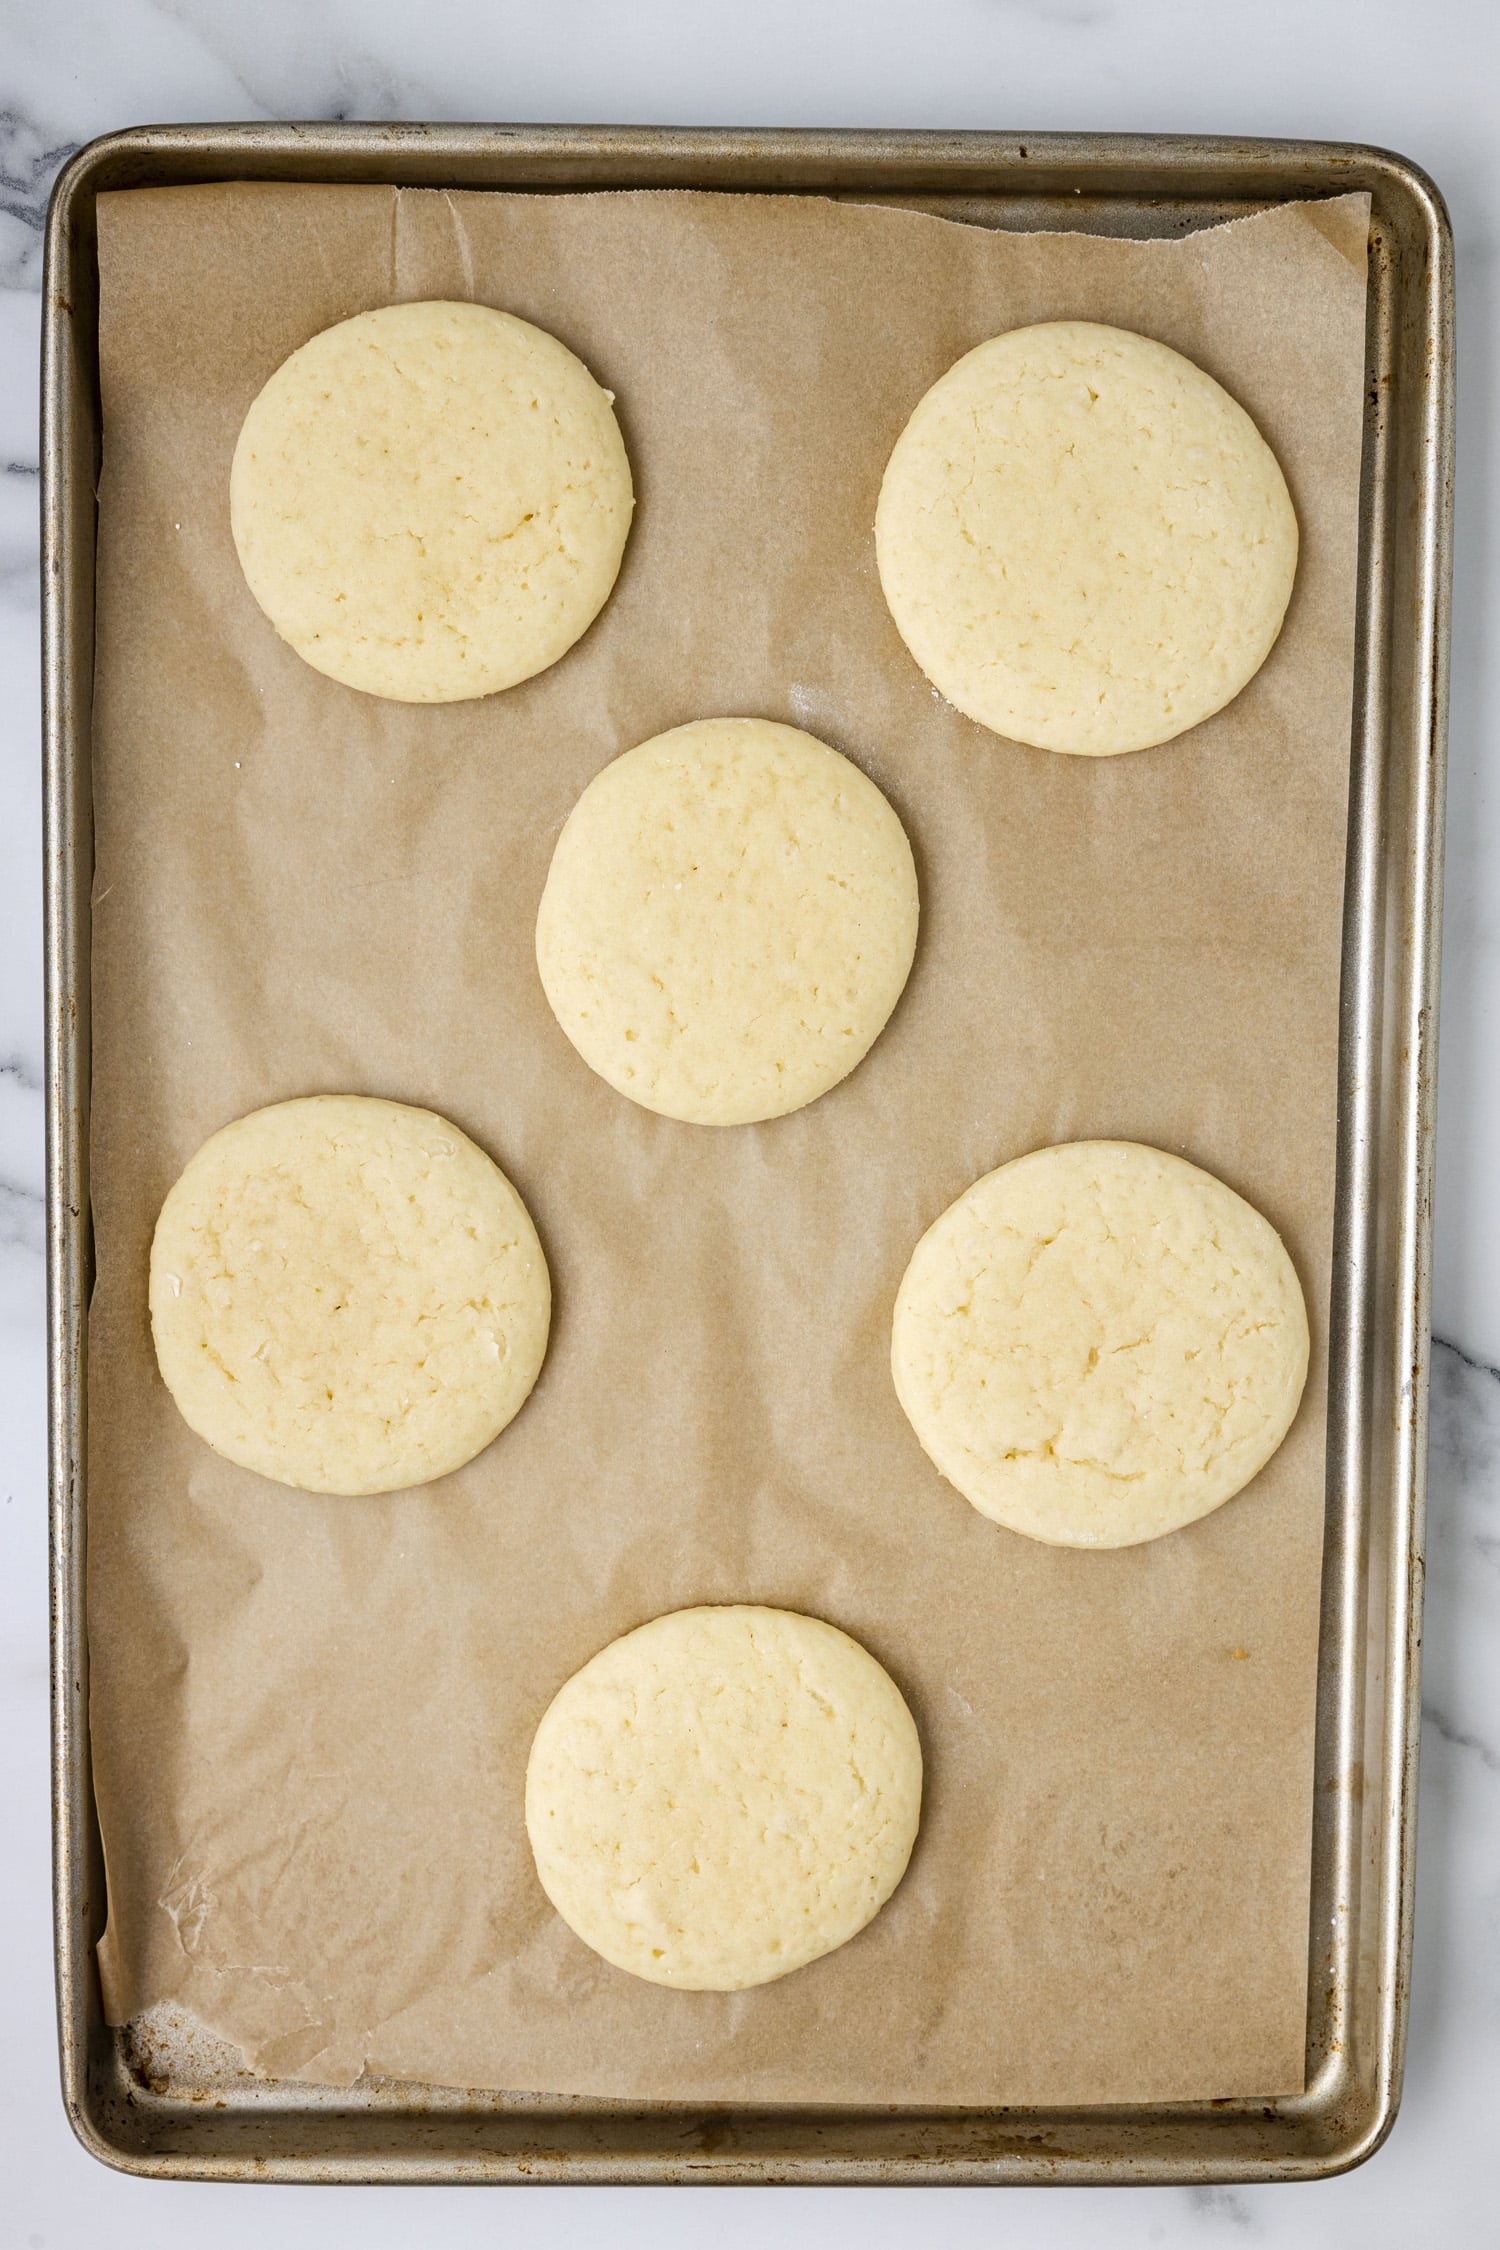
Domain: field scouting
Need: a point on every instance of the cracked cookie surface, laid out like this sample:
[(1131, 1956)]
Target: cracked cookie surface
[(430, 501), (347, 1295), (1099, 1343), (728, 921), (723, 1795), (1084, 541)]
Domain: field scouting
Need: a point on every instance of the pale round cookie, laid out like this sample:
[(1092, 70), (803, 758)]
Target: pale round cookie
[(722, 1795), (1099, 1343), (1085, 542), (728, 921), (347, 1295), (430, 501)]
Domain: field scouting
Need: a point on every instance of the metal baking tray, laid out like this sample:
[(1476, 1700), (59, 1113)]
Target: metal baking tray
[(139, 2104)]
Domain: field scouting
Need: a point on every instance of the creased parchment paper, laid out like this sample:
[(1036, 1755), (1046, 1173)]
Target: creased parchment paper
[(311, 1716)]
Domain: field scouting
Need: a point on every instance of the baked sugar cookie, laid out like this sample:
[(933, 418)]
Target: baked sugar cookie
[(728, 921), (723, 1795), (347, 1295), (1085, 542), (1099, 1343), (430, 501)]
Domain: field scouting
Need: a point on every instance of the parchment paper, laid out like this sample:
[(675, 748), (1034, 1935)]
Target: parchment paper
[(311, 1716)]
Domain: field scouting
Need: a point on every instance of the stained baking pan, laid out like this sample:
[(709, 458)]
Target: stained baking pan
[(142, 2103)]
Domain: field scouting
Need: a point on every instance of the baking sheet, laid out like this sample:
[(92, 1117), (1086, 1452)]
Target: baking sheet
[(310, 1717)]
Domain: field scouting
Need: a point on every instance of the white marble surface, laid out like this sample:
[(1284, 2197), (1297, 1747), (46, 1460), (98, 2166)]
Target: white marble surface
[(1422, 76)]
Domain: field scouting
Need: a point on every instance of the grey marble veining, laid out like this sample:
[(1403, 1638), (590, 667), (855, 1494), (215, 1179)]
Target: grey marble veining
[(1419, 75)]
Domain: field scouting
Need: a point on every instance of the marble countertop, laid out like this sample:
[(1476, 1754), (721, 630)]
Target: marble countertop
[(1421, 76)]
